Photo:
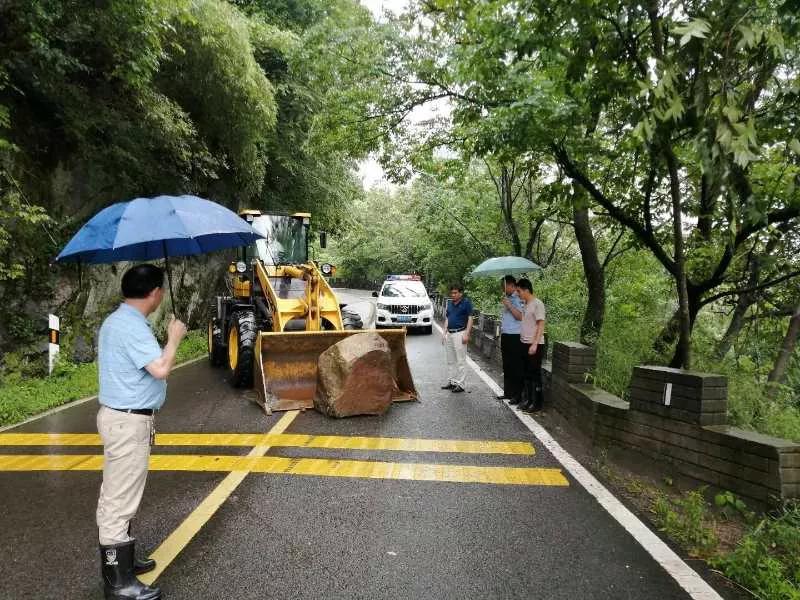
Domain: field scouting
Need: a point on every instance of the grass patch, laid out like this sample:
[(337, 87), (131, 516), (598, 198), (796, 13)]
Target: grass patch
[(21, 398), (760, 553), (767, 559)]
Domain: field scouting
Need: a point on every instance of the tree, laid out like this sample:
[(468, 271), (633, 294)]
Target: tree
[(695, 149)]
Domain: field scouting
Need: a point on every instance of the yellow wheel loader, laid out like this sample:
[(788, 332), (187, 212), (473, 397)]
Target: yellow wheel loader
[(279, 314)]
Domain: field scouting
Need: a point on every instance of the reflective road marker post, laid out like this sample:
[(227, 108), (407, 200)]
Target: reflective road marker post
[(53, 346)]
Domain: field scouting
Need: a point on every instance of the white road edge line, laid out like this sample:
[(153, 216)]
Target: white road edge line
[(683, 574), (56, 409)]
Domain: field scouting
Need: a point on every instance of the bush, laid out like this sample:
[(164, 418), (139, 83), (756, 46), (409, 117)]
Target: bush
[(767, 559)]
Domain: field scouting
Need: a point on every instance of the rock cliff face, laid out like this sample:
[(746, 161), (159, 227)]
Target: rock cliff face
[(82, 300)]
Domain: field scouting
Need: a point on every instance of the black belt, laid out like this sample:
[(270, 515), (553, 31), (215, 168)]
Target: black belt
[(135, 411), (456, 330)]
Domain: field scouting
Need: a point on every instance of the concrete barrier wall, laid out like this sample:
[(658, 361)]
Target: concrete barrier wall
[(671, 415)]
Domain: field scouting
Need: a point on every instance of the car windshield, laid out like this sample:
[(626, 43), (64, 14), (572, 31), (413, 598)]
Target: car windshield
[(286, 240), (404, 289)]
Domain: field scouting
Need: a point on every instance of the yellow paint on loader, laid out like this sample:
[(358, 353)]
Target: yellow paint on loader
[(286, 366)]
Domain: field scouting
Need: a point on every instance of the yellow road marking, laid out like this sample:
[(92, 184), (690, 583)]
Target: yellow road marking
[(301, 466), (273, 439), (180, 538)]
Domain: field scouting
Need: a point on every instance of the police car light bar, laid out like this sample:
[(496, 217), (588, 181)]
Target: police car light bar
[(403, 278)]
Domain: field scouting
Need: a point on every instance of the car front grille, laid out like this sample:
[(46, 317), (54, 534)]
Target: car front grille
[(404, 309)]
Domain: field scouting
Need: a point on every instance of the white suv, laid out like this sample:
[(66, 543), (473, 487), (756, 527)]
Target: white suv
[(403, 302)]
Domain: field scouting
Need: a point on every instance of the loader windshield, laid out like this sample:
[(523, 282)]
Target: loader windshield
[(286, 240)]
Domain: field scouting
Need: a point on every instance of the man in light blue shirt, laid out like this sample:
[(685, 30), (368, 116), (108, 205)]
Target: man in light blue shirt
[(511, 349), (126, 346), (132, 371)]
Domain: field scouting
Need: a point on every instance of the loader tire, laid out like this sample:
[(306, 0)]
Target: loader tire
[(242, 333), (217, 352), (351, 320)]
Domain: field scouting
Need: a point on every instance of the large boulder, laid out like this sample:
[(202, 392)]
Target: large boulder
[(354, 377)]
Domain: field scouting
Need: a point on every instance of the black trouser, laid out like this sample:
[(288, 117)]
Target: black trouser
[(532, 394), (511, 350)]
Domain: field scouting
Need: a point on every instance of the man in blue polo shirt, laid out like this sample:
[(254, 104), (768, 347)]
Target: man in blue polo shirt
[(455, 337), (132, 373)]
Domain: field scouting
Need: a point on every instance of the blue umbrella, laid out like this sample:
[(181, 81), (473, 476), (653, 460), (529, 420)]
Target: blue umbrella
[(156, 228), (504, 265)]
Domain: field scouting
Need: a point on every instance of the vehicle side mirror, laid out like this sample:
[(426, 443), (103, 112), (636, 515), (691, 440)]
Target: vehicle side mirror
[(323, 239), (374, 294)]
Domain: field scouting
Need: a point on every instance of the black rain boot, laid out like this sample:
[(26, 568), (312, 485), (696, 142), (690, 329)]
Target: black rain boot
[(536, 398), (119, 582), (141, 565), (526, 396)]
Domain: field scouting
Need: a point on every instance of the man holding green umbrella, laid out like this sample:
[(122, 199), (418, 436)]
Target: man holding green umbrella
[(510, 325)]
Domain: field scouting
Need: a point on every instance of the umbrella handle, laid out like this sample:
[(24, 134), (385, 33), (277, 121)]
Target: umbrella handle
[(169, 282)]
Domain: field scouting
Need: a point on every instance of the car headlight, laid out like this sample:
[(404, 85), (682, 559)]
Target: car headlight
[(241, 267), (383, 306), (326, 268)]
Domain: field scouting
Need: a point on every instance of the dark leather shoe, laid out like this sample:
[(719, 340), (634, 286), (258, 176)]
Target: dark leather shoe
[(515, 400), (143, 565), (449, 386), (502, 397), (457, 389)]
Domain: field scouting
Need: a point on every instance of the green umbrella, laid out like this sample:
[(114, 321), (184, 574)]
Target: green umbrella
[(504, 265)]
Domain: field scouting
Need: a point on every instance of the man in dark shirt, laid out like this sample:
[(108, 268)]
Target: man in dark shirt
[(455, 337)]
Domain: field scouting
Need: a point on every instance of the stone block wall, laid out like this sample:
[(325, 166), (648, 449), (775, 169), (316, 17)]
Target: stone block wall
[(679, 417), (699, 398)]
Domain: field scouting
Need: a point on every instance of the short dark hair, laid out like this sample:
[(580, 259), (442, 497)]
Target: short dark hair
[(140, 280), (456, 286), (510, 279), (525, 284)]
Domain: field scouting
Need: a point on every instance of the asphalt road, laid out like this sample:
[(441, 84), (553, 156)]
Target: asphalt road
[(287, 535)]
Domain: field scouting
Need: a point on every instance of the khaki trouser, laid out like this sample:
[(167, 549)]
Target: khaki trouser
[(456, 352), (126, 455)]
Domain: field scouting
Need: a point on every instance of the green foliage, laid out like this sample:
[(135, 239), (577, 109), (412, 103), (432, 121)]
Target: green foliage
[(23, 395), (646, 108), (234, 106), (767, 559), (687, 520), (20, 230), (730, 503), (21, 400), (104, 102), (195, 344)]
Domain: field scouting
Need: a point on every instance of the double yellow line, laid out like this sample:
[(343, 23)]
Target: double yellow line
[(238, 467)]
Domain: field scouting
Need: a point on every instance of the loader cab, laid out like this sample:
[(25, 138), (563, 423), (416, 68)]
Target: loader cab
[(285, 238)]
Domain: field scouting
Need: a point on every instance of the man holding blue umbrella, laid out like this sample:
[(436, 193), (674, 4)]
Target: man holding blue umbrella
[(132, 365), (132, 372)]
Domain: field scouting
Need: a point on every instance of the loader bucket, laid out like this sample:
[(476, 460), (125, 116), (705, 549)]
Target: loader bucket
[(286, 366)]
